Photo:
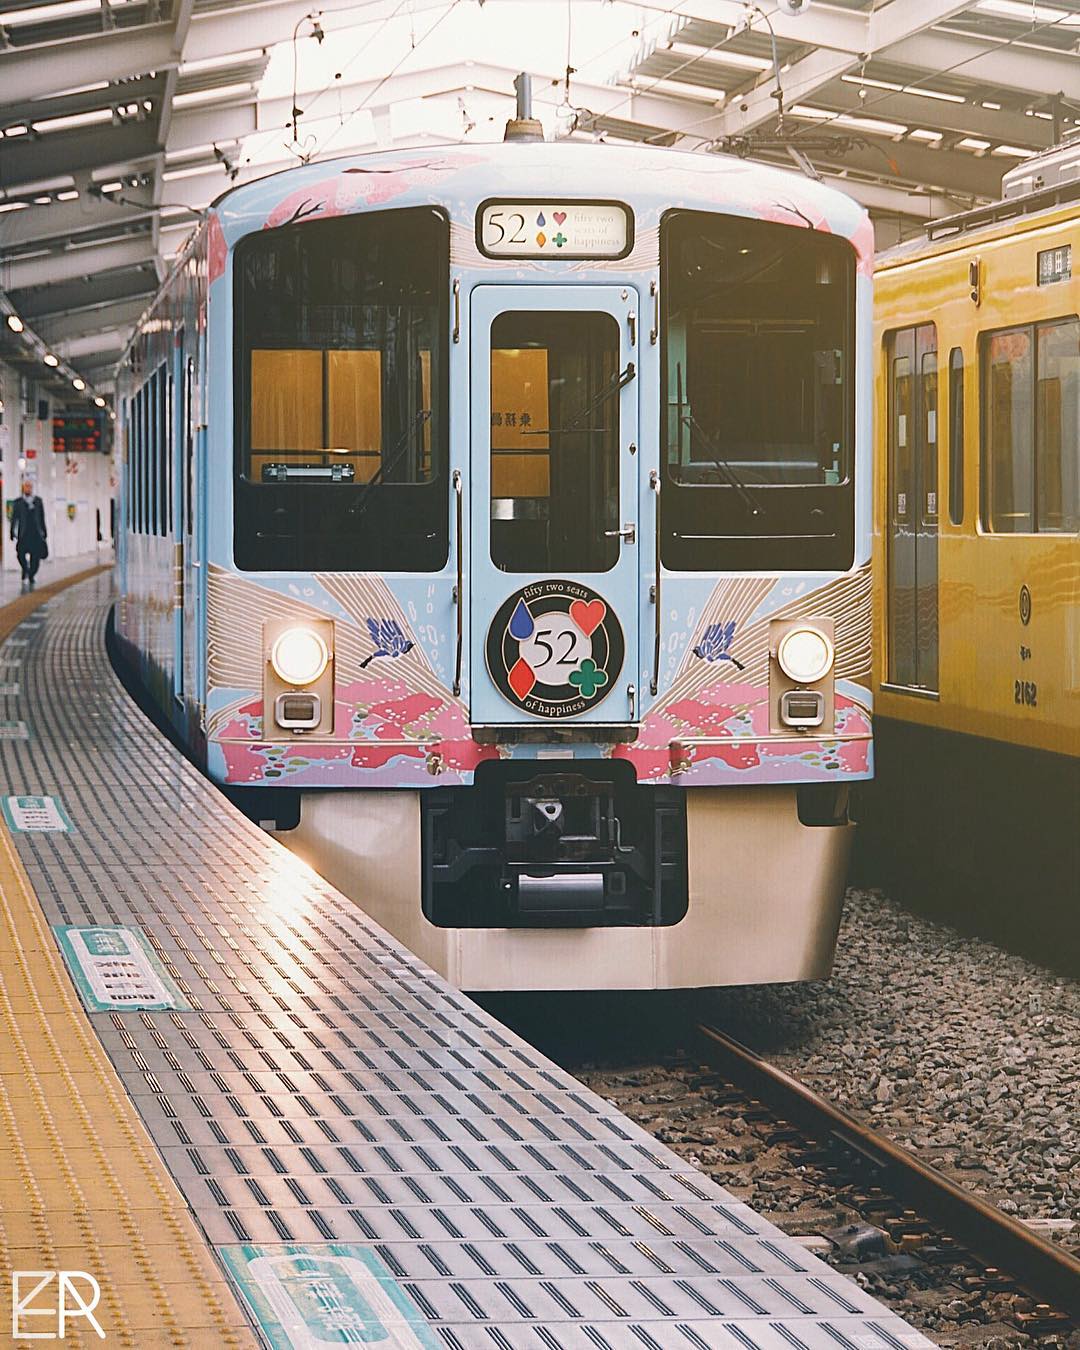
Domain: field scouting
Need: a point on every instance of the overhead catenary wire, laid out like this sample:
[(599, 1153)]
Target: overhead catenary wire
[(391, 72)]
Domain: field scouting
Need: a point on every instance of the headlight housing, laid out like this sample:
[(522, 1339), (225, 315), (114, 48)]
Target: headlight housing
[(805, 655), (299, 656)]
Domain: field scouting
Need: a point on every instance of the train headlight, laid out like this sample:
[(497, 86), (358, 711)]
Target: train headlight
[(299, 656), (805, 655)]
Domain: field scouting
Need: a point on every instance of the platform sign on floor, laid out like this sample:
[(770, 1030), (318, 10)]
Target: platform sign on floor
[(14, 731), (35, 813), (116, 968), (11, 690), (336, 1293)]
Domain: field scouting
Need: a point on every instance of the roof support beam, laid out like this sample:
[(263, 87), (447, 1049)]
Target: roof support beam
[(956, 119), (1018, 66), (894, 23), (65, 220), (53, 154), (120, 315), (62, 298), (74, 263)]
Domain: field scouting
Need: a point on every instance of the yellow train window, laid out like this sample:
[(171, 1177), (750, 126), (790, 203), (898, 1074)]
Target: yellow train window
[(956, 436), (1031, 428)]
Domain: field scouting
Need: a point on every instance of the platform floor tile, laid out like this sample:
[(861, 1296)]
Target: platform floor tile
[(358, 1140)]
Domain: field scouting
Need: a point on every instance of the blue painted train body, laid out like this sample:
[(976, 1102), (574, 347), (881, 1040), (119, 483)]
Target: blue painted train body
[(521, 494)]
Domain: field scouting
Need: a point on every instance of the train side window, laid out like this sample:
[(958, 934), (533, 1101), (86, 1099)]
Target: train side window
[(1008, 461), (956, 436), (342, 425), (1031, 428), (1057, 427)]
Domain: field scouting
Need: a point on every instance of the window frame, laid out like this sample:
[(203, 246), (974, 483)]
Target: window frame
[(957, 418), (1033, 329)]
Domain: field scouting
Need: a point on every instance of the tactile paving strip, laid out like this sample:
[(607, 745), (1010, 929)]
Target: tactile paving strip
[(327, 1088), (81, 1185)]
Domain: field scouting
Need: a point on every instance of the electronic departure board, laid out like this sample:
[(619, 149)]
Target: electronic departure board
[(73, 432)]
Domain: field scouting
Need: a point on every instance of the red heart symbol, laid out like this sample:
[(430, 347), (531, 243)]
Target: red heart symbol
[(588, 616), (560, 216)]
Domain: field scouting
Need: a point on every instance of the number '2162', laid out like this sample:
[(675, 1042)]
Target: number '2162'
[(1025, 693)]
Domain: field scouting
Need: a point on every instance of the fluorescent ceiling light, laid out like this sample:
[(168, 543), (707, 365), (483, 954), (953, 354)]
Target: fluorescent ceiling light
[(43, 13), (211, 95), (50, 360), (84, 119), (972, 143), (1014, 151), (216, 62), (78, 383), (915, 91), (920, 134), (13, 206), (719, 55), (15, 323), (871, 124)]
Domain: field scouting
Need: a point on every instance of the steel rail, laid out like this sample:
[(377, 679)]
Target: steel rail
[(1045, 1270)]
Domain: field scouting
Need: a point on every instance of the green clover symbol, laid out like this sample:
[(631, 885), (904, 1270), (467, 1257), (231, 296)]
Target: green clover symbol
[(588, 679), (560, 239)]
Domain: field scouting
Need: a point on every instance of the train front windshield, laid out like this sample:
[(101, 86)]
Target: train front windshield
[(341, 409), (758, 354)]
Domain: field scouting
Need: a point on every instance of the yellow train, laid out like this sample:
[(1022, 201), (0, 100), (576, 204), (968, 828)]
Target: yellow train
[(977, 550)]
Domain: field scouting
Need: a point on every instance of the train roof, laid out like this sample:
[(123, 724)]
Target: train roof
[(651, 179)]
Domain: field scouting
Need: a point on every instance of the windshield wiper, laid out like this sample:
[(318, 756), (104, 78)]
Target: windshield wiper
[(747, 498), (615, 384), (388, 465)]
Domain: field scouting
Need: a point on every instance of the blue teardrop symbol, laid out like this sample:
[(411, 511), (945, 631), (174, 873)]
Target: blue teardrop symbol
[(540, 220), (521, 622)]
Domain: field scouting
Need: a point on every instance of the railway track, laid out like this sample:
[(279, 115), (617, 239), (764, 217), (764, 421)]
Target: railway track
[(1006, 1247)]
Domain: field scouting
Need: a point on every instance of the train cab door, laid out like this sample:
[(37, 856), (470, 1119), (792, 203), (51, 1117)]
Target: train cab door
[(912, 519), (553, 533)]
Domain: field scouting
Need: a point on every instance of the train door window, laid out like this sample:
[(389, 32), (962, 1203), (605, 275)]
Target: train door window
[(144, 466), (164, 452), (757, 420), (342, 438), (956, 436), (928, 413), (187, 430), (1008, 462), (1057, 427), (554, 442), (912, 522)]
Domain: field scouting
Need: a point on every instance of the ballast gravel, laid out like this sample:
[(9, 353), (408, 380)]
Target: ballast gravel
[(964, 1053)]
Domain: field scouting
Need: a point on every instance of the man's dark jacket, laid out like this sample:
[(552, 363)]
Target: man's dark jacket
[(28, 523)]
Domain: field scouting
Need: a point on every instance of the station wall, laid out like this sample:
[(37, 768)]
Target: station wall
[(76, 489)]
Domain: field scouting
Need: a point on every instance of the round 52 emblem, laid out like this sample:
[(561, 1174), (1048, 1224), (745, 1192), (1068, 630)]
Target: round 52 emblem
[(555, 649)]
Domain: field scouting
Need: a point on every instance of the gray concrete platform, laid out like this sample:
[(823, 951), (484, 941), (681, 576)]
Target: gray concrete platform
[(373, 1159)]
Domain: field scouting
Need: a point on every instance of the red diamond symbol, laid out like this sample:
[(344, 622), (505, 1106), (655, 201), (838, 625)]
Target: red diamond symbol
[(521, 678)]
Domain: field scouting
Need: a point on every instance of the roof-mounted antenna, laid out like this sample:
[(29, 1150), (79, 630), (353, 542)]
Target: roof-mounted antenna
[(523, 126)]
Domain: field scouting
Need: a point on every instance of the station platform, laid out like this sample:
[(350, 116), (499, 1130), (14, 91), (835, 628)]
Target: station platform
[(256, 1119)]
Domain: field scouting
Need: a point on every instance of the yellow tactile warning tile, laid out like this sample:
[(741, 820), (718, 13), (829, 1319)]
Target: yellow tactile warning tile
[(81, 1185)]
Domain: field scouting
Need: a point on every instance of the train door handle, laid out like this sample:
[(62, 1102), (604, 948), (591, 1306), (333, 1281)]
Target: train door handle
[(628, 532), (631, 319)]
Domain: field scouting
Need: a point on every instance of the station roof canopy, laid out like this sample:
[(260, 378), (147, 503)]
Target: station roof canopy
[(120, 120)]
